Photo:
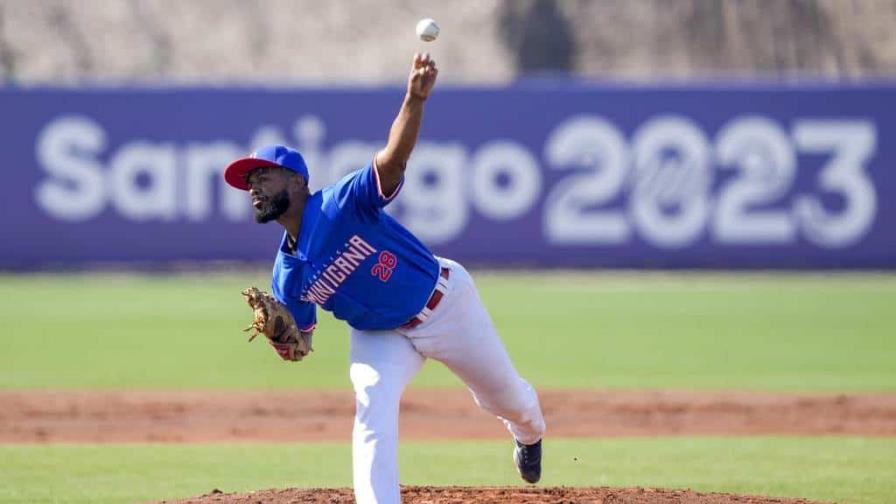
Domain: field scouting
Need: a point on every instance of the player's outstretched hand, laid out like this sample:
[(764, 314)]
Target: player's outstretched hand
[(423, 76)]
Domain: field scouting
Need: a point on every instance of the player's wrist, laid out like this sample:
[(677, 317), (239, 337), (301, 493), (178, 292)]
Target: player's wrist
[(414, 98)]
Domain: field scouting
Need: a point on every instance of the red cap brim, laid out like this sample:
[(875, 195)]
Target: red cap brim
[(235, 173)]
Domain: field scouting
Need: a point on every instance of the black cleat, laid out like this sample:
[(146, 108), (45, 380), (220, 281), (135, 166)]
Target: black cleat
[(528, 461)]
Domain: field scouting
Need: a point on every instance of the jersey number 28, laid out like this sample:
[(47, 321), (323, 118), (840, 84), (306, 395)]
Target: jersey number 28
[(383, 269)]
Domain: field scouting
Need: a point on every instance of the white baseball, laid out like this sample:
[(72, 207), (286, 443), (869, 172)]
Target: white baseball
[(427, 30)]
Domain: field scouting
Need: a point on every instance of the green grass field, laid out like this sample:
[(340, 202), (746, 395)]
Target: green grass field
[(563, 330), (779, 332), (851, 470)]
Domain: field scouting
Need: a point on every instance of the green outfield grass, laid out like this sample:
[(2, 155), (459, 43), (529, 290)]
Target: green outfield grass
[(743, 331), (847, 470)]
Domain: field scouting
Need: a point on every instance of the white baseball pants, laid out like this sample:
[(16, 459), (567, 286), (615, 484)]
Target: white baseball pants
[(460, 334)]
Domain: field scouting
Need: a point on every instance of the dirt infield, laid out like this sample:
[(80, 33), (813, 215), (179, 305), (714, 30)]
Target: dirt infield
[(496, 495), (230, 416), (247, 416)]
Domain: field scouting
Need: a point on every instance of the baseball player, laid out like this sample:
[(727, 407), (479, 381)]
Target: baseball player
[(342, 252)]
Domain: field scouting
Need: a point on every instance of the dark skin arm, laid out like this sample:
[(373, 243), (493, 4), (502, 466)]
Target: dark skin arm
[(392, 160)]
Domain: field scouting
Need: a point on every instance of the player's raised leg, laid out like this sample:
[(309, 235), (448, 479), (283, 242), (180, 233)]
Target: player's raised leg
[(461, 335), (382, 364)]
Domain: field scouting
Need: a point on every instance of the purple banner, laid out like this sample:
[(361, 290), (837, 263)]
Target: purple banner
[(560, 175)]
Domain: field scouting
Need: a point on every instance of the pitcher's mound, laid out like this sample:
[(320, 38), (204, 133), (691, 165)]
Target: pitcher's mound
[(497, 495)]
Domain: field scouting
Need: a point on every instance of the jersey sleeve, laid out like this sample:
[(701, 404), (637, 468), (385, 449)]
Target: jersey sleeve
[(362, 192), (303, 312)]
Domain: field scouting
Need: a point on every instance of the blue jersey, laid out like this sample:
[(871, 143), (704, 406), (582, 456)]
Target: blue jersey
[(354, 260)]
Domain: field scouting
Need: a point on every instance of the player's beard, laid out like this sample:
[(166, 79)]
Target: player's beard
[(272, 208)]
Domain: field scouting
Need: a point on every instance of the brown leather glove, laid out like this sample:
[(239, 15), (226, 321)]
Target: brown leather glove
[(274, 321)]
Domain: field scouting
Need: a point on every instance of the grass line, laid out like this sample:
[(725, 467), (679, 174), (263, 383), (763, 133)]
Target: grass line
[(847, 470)]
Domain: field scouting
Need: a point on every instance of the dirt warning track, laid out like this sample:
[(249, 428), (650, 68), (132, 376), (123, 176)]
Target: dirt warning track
[(234, 416)]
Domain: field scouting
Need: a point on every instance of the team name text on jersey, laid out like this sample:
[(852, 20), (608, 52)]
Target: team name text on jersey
[(331, 276)]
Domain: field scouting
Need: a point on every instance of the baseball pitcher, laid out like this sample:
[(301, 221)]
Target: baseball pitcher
[(342, 252)]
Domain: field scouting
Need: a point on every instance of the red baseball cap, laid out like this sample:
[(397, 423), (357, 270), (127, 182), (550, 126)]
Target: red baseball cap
[(269, 156)]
